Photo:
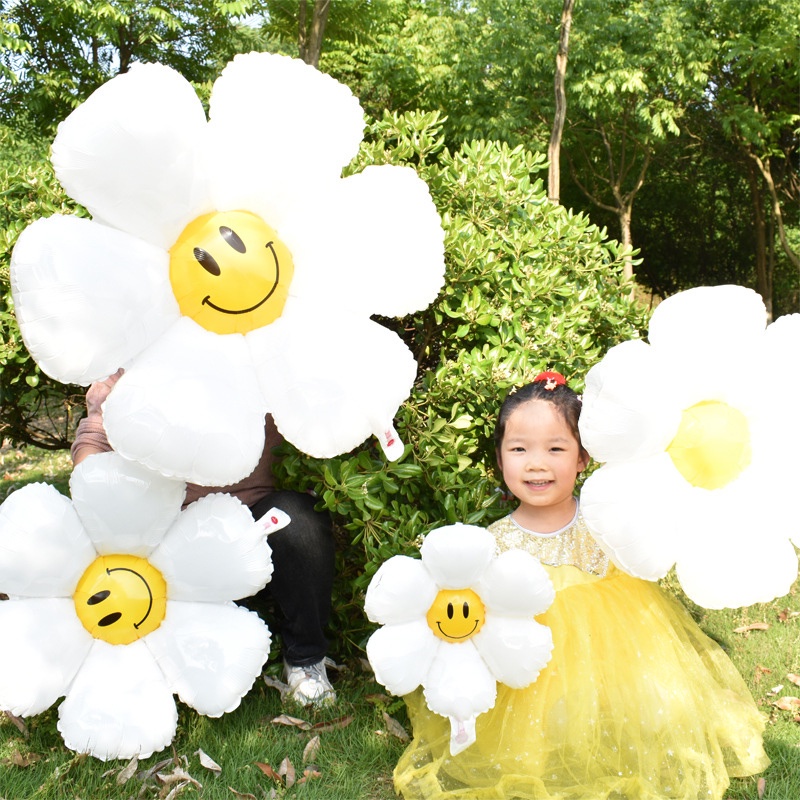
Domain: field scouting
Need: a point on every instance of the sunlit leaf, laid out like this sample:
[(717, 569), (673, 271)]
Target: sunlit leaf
[(311, 749)]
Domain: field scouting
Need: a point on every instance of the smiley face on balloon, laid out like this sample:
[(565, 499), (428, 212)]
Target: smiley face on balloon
[(230, 272), (121, 598), (456, 614)]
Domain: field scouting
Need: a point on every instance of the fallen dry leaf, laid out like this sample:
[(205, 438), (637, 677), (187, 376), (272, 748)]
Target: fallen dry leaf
[(756, 626), (18, 722), (332, 725), (795, 679), (274, 683), (242, 795), (286, 771), (787, 703), (787, 614), (311, 749), (269, 772), (761, 786), (208, 762), (395, 728), (16, 759), (285, 719), (309, 774), (128, 771)]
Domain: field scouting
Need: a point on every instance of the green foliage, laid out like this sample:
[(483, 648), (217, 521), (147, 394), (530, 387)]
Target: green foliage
[(33, 408), (60, 51), (529, 286)]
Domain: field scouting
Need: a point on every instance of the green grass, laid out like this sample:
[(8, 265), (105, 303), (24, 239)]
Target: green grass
[(356, 752)]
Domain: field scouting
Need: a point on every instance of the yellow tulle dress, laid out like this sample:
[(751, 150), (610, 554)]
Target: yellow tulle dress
[(637, 703)]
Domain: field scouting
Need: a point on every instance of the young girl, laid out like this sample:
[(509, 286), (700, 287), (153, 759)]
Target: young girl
[(636, 702)]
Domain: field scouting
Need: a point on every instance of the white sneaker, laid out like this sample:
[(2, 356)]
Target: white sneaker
[(309, 684)]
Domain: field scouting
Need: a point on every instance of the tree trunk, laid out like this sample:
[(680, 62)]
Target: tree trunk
[(625, 213), (763, 273), (554, 149), (309, 42)]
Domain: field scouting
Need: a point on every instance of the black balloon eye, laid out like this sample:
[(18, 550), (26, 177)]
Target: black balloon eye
[(206, 261), (449, 611), (466, 610), (110, 619), (232, 238), (98, 597)]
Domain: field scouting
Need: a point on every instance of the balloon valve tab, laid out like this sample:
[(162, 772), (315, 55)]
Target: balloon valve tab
[(274, 520)]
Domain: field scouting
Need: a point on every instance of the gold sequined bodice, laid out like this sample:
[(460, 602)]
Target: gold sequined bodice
[(572, 545)]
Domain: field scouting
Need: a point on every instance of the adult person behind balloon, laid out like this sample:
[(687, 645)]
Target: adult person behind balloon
[(302, 554)]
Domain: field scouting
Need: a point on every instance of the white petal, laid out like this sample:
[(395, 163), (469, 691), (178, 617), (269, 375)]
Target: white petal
[(119, 705), (129, 153), (516, 584), (45, 548), (378, 243), (637, 512), (277, 129), (707, 322), (515, 650), (330, 382), (44, 644), (88, 298), (125, 507), (731, 577), (741, 555), (457, 555), (214, 552), (400, 591), (781, 349), (210, 654), (459, 683), (629, 409), (189, 407), (401, 655)]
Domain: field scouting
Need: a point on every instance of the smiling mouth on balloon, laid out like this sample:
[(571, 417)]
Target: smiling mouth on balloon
[(207, 298), (450, 635)]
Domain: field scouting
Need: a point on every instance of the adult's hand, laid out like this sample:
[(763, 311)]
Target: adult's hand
[(99, 391)]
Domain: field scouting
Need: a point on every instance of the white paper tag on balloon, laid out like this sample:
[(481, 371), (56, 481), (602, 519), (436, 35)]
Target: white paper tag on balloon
[(274, 520), (390, 442)]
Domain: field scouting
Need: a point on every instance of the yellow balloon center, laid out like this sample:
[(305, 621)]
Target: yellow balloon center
[(121, 598), (456, 614), (230, 272), (712, 446)]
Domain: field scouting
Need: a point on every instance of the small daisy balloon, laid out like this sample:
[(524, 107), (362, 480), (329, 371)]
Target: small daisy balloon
[(457, 621), (698, 432), (118, 600), (229, 262)]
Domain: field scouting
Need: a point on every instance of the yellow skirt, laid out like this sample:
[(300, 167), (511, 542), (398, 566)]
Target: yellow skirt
[(637, 703)]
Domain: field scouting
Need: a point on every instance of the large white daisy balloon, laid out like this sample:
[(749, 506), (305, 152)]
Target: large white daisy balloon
[(457, 621), (228, 267), (699, 433), (119, 599)]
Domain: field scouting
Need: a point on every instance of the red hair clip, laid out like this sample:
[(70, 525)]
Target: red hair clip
[(551, 379)]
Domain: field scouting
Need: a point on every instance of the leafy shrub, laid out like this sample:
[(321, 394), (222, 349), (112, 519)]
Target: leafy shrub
[(530, 286)]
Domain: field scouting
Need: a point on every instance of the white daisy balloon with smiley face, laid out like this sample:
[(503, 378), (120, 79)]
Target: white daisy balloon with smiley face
[(456, 622), (229, 268), (118, 600)]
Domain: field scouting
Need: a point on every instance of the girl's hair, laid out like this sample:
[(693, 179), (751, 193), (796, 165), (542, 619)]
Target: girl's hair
[(567, 403)]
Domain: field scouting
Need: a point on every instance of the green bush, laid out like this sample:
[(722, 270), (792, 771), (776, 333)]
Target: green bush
[(530, 286)]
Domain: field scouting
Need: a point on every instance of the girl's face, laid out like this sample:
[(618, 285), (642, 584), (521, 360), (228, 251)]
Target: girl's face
[(540, 459)]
